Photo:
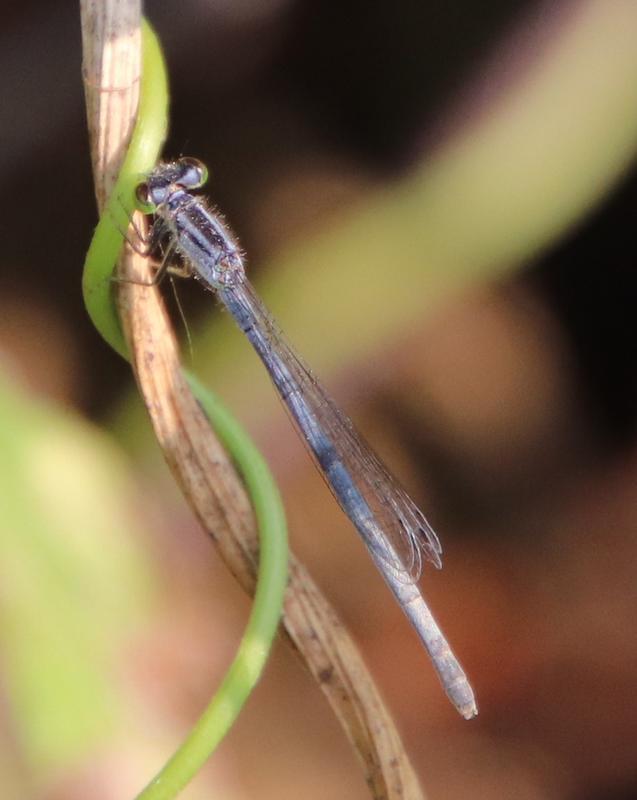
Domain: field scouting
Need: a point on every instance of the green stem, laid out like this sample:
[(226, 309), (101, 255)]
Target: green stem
[(142, 154), (244, 672), (255, 645)]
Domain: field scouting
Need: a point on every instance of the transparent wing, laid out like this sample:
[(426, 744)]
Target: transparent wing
[(411, 537)]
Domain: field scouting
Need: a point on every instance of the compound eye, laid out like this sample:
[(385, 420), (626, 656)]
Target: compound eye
[(147, 200), (194, 173)]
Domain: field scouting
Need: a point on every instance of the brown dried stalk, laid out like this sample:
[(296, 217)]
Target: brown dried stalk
[(201, 467)]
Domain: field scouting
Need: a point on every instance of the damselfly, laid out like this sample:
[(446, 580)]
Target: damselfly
[(392, 527)]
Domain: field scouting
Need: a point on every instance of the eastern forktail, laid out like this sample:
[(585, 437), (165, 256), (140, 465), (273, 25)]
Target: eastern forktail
[(392, 527)]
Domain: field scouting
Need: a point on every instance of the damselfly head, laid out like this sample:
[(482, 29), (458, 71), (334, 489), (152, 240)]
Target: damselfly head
[(151, 194), (186, 173), (192, 173)]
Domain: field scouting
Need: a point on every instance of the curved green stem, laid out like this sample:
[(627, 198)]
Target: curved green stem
[(256, 643), (142, 154)]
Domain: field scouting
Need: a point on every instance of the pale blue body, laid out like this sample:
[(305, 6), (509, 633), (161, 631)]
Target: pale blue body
[(388, 521)]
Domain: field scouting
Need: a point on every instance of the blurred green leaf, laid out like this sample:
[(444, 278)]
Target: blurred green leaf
[(73, 583), (505, 184)]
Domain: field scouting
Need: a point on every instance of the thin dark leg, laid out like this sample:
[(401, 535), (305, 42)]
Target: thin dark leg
[(147, 242), (163, 268)]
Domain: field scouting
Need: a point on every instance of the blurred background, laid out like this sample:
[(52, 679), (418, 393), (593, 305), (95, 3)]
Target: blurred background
[(438, 202)]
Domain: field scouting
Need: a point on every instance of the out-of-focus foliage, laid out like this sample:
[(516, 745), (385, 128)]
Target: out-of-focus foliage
[(504, 185), (73, 582)]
